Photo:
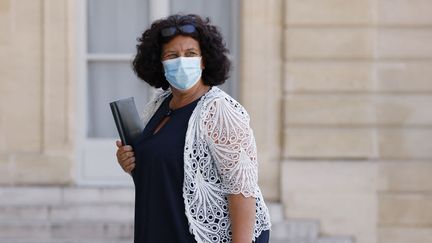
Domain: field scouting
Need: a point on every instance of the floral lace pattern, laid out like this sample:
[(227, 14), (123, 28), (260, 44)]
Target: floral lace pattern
[(220, 158)]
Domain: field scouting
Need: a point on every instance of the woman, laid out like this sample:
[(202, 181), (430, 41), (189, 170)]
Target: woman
[(195, 164)]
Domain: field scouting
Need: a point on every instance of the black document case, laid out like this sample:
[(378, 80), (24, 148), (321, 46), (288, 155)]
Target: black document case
[(127, 120)]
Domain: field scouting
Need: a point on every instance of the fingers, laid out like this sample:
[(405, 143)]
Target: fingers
[(121, 154), (130, 168), (129, 165), (125, 157), (124, 149), (127, 162), (120, 146)]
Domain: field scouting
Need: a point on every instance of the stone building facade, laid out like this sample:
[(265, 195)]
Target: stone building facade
[(339, 93)]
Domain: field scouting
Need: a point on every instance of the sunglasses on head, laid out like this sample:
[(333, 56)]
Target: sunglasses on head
[(170, 31)]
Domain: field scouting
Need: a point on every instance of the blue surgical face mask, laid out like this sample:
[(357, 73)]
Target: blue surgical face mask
[(183, 72)]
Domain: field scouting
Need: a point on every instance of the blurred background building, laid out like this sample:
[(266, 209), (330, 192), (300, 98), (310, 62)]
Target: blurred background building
[(339, 93)]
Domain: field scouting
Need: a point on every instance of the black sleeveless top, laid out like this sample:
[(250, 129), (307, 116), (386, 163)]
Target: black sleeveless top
[(158, 176), (159, 207)]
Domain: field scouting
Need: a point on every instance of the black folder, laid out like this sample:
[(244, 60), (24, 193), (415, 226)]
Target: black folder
[(127, 120)]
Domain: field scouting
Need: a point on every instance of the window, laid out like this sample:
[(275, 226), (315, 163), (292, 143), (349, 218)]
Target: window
[(107, 31)]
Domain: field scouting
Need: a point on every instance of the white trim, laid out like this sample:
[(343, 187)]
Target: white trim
[(90, 148), (81, 30), (158, 9), (109, 57), (99, 146)]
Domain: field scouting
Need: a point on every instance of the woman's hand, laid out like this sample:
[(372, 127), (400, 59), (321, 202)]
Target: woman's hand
[(125, 157)]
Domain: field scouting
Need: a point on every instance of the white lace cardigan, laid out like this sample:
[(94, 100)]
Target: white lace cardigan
[(220, 158)]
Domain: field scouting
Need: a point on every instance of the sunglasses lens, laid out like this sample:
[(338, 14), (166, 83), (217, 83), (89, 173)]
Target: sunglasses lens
[(168, 31), (188, 28)]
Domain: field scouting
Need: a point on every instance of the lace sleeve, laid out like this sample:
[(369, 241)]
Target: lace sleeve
[(154, 103), (233, 147)]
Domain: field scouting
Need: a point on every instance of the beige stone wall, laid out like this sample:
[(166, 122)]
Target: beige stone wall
[(357, 122), (36, 91), (339, 93), (260, 87)]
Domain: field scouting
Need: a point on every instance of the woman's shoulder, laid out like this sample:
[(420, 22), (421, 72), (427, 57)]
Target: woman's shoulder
[(155, 101), (218, 99), (217, 95), (159, 95)]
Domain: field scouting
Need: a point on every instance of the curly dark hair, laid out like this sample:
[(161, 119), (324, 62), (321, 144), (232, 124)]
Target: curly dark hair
[(147, 63)]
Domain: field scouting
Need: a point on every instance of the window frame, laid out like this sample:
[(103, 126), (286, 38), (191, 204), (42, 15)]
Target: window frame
[(106, 146)]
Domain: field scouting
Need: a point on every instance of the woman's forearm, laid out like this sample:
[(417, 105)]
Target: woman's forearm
[(242, 216)]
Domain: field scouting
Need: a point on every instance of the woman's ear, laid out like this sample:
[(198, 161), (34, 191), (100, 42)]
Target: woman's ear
[(202, 64)]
